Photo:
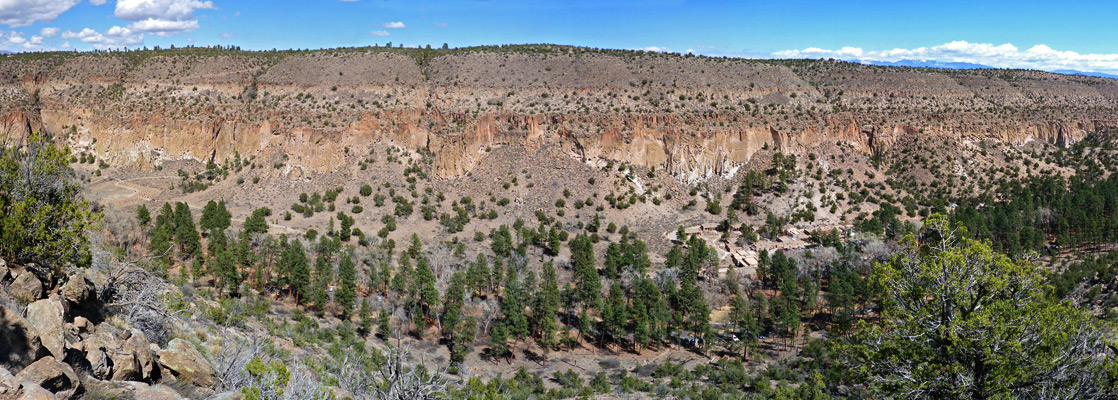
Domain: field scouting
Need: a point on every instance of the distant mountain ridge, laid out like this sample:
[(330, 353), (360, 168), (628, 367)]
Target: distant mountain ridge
[(965, 65), (929, 64)]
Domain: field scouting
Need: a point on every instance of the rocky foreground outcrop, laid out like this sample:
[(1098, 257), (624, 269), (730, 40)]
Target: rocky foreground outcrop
[(692, 116), (46, 342)]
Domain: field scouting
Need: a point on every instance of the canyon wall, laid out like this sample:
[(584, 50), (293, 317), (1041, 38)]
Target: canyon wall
[(692, 116)]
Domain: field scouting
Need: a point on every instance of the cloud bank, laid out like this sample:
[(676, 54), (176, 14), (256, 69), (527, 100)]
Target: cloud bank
[(18, 13), (1039, 57)]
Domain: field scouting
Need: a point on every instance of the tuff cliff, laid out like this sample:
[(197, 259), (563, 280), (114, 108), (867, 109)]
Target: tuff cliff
[(693, 116)]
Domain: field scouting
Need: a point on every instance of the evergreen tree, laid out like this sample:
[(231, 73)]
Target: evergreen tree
[(365, 314), (546, 308), (346, 293), (614, 314), (452, 305), (323, 277), (498, 341), (478, 276), (501, 241), (383, 324), (224, 270), (162, 236), (428, 300), (294, 269), (143, 216), (256, 223), (186, 236), (554, 242), (588, 281), (463, 336)]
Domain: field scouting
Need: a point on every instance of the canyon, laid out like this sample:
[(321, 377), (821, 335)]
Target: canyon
[(695, 117)]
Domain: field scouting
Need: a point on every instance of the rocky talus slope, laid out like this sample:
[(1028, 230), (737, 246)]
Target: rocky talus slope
[(312, 111), (54, 337)]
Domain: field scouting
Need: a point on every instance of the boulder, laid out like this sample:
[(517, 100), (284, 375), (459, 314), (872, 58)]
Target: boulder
[(47, 317), (19, 342), (52, 375), (185, 363), (82, 324), (26, 286), (159, 392), (31, 391), (79, 292), (8, 382), (138, 345), (100, 365), (228, 396), (4, 271)]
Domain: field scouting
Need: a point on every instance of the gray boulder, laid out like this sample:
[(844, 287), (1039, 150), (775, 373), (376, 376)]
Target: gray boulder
[(47, 317), (79, 292), (26, 286), (159, 392), (20, 344), (31, 391), (185, 363), (54, 376)]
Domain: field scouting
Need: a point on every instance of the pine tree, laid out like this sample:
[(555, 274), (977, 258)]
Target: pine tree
[(143, 216), (452, 305), (588, 281), (162, 236), (614, 314), (208, 220), (294, 269), (428, 300), (546, 308), (498, 341), (323, 276), (463, 336), (224, 270), (186, 236), (512, 306), (383, 324), (478, 276), (554, 242), (347, 282), (365, 314), (256, 223), (497, 275), (640, 327)]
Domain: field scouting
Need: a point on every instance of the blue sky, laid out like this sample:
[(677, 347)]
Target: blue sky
[(1025, 34)]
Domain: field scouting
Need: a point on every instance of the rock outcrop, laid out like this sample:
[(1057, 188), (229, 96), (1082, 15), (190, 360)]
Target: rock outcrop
[(20, 344), (691, 116), (54, 376), (185, 363), (47, 317)]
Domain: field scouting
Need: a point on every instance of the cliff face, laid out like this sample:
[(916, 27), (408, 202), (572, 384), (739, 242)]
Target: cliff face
[(694, 117)]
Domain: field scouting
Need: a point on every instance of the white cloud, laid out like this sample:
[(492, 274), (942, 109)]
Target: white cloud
[(115, 37), (16, 13), (1039, 57), (162, 27), (227, 35), (161, 17), (440, 24), (393, 25), (48, 32), (66, 45), (138, 10), (656, 49), (379, 33), (97, 2)]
